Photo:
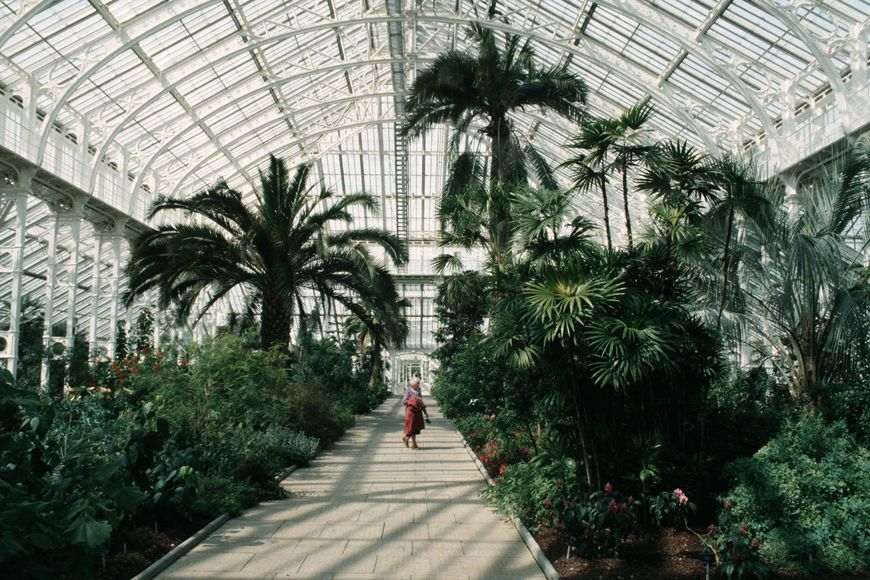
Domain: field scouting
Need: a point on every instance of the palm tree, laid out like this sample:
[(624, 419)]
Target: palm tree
[(611, 145), (591, 169), (460, 88), (378, 324), (631, 150), (738, 192), (489, 86), (809, 295), (273, 251)]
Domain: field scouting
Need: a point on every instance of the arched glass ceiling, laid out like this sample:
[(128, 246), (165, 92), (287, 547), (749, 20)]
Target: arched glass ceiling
[(126, 98)]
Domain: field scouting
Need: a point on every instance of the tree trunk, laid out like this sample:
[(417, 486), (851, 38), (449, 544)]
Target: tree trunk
[(274, 321), (376, 364), (606, 215), (625, 202)]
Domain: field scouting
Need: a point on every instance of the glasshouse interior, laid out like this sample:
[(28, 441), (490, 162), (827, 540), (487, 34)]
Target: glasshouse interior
[(435, 288)]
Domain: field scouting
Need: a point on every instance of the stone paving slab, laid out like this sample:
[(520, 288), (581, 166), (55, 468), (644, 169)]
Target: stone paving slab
[(369, 508)]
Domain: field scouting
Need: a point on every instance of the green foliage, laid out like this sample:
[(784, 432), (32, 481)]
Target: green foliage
[(670, 508), (850, 402), (807, 492), (527, 491), (272, 249), (736, 547), (154, 437)]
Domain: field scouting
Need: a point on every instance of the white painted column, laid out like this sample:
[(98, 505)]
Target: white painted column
[(17, 194), (72, 270), (115, 288), (50, 283), (96, 294)]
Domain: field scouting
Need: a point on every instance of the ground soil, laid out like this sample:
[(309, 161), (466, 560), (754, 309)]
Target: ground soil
[(651, 556), (124, 565), (655, 555)]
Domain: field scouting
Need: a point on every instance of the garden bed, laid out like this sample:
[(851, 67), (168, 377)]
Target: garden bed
[(152, 546), (653, 555)]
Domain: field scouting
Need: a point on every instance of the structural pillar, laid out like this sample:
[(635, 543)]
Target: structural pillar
[(96, 293), (115, 288), (72, 217), (48, 318), (16, 194)]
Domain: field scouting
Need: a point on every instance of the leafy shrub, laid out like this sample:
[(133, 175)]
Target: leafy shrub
[(597, 526), (807, 495), (499, 440), (218, 494), (469, 383), (378, 395), (736, 547), (850, 402), (527, 491)]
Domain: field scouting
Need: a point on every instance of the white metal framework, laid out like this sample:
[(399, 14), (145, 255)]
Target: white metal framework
[(106, 103)]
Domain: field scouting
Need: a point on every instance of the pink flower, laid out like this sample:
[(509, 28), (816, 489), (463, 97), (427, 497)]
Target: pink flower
[(681, 497), (492, 416), (608, 488)]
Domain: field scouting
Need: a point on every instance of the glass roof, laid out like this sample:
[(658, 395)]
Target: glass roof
[(126, 99)]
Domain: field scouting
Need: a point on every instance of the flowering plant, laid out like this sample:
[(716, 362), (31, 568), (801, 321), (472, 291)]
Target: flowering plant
[(598, 526), (735, 547), (670, 508)]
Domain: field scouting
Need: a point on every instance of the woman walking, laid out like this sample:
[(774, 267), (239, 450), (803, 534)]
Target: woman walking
[(415, 409)]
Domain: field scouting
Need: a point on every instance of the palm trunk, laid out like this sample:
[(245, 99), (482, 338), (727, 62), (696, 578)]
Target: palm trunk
[(606, 215), (499, 134), (726, 266), (376, 365), (274, 321), (625, 201)]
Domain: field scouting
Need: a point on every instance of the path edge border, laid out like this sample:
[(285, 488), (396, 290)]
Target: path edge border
[(537, 553), (190, 543), (181, 549)]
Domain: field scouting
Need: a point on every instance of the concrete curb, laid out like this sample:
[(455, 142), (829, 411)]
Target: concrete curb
[(537, 553), (181, 549)]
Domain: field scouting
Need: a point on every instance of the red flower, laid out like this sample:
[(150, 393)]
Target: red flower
[(608, 488)]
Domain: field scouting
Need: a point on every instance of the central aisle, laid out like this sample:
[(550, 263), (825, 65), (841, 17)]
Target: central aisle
[(370, 508)]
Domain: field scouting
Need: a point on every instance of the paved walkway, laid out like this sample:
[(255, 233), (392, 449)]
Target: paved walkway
[(370, 508)]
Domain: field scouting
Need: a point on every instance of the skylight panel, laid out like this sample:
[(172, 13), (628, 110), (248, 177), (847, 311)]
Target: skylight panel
[(692, 13), (124, 10)]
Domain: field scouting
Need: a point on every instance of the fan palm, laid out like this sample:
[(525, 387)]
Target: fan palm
[(809, 293), (273, 251)]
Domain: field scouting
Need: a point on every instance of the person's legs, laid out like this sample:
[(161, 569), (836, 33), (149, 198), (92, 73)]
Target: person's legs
[(405, 440), (414, 442)]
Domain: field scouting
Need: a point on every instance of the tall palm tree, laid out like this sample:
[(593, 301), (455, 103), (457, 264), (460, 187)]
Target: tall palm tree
[(273, 250), (611, 145), (738, 193), (460, 88), (631, 150), (489, 86), (591, 169)]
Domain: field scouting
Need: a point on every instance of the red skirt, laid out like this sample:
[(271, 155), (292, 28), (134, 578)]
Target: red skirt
[(414, 416)]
